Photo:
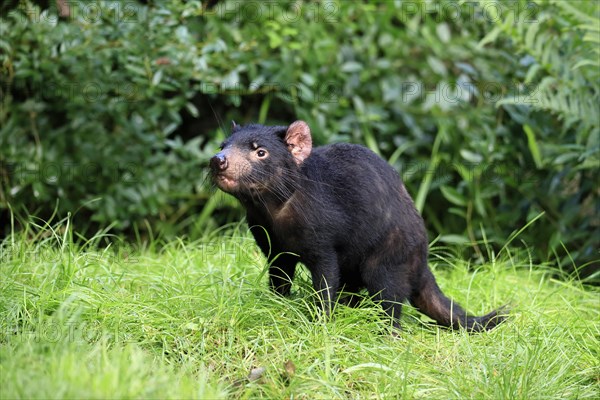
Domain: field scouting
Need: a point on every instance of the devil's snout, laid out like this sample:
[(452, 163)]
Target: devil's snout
[(219, 162)]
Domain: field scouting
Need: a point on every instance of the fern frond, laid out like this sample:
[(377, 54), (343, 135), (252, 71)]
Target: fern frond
[(571, 105), (586, 12), (567, 67)]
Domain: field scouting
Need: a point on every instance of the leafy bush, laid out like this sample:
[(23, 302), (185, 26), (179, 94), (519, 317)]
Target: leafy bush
[(89, 112), (487, 109)]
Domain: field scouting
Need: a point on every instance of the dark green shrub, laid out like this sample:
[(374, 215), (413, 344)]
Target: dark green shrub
[(90, 106), (487, 109)]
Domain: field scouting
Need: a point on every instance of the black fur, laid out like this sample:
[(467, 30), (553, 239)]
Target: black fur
[(343, 211)]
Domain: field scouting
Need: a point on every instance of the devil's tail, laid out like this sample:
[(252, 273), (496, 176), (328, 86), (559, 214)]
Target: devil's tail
[(432, 302)]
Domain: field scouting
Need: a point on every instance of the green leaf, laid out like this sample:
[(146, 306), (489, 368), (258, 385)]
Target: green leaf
[(135, 69), (583, 63), (157, 77), (192, 109), (437, 66), (453, 196), (471, 156), (533, 146), (490, 37), (443, 32), (275, 39), (454, 239), (351, 66), (532, 72)]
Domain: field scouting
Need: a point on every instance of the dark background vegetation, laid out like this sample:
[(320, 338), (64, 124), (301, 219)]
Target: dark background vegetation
[(110, 110)]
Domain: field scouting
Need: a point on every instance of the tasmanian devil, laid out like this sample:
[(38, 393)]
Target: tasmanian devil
[(342, 211)]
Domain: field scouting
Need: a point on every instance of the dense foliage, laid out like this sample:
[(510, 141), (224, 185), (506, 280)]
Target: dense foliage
[(488, 109)]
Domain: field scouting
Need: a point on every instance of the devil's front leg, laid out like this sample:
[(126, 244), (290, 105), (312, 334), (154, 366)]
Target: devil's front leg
[(281, 272), (325, 273), (282, 266)]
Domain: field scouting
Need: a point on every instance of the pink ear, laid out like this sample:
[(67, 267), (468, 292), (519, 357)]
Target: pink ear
[(299, 141)]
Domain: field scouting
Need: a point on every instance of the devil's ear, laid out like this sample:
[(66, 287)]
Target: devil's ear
[(298, 140), (234, 126)]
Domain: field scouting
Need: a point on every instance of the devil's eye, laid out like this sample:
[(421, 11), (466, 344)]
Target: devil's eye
[(261, 153)]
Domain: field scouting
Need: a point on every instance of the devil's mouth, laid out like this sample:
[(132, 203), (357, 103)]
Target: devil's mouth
[(225, 182)]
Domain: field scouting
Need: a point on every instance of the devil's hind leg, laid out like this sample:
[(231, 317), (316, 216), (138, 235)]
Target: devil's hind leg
[(384, 286)]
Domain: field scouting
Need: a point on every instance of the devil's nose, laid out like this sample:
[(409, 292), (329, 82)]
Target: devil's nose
[(218, 162)]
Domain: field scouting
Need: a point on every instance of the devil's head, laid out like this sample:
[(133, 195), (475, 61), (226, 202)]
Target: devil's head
[(259, 160)]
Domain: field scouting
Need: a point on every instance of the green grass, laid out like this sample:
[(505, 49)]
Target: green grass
[(193, 319)]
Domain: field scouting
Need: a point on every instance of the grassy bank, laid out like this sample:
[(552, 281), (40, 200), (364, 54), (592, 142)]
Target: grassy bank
[(196, 320)]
